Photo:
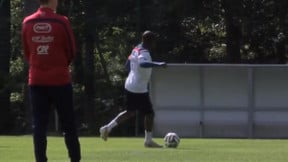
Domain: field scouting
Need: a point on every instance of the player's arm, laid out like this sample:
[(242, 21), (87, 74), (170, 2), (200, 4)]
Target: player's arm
[(152, 64), (145, 61)]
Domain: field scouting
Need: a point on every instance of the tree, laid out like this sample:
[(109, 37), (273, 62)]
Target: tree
[(233, 29), (89, 79), (190, 31), (5, 52), (29, 8), (264, 31), (281, 39)]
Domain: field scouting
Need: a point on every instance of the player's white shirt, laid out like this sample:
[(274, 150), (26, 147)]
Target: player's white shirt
[(139, 77)]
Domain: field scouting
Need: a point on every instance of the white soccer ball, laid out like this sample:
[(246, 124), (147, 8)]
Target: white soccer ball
[(171, 140)]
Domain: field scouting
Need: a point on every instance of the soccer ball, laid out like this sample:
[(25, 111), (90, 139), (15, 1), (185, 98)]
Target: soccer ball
[(171, 140)]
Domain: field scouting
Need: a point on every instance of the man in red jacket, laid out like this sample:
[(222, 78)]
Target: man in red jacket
[(49, 48)]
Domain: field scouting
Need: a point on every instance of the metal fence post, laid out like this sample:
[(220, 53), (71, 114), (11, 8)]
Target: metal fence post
[(251, 101)]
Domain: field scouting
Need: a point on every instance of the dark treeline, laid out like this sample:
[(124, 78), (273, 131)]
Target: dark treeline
[(190, 31)]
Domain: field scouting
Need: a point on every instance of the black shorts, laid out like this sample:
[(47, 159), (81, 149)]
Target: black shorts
[(138, 101)]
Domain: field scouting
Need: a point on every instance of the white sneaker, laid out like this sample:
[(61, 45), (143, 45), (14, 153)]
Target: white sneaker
[(152, 144), (104, 132)]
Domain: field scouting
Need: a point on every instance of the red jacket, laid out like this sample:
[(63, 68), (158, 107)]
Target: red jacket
[(49, 47)]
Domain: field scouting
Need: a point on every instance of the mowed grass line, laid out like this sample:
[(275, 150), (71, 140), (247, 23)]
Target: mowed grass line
[(19, 149)]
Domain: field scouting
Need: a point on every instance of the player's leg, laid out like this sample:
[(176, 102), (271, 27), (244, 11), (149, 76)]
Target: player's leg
[(148, 111), (121, 117), (63, 96), (148, 125), (40, 113)]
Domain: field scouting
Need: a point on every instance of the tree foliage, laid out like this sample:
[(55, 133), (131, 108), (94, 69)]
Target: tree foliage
[(190, 31), (5, 51)]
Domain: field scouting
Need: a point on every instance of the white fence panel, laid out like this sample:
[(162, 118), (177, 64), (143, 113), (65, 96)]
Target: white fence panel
[(220, 100)]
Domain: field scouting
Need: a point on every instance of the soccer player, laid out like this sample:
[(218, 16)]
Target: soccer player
[(49, 48), (140, 67)]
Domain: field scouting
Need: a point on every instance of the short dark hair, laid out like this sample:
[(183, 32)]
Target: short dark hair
[(148, 36), (43, 2)]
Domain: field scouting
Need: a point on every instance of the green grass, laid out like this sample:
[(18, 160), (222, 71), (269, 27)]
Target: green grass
[(19, 149)]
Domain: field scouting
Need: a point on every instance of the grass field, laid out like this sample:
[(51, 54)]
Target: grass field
[(19, 149)]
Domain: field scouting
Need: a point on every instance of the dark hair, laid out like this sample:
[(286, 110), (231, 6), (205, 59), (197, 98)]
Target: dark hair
[(43, 2), (148, 36)]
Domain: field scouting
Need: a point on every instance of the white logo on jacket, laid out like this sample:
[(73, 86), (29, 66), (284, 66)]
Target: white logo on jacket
[(42, 39), (42, 28), (42, 50)]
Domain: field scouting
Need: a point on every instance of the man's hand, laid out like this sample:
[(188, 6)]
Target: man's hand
[(162, 64)]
